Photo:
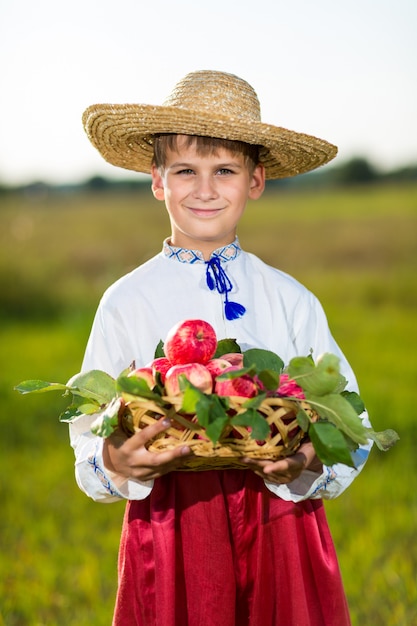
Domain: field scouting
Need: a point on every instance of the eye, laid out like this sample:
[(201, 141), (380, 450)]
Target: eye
[(224, 171), (185, 172)]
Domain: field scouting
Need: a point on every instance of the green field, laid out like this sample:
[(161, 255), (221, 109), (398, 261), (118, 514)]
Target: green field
[(356, 249)]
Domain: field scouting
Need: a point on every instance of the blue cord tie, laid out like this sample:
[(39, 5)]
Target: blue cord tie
[(217, 278)]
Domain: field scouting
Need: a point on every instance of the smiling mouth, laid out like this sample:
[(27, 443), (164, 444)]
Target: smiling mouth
[(204, 212)]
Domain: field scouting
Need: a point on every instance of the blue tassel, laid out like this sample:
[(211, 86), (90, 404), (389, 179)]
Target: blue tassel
[(210, 282), (217, 278), (233, 310)]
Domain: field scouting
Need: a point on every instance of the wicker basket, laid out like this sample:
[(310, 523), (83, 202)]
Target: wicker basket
[(235, 442)]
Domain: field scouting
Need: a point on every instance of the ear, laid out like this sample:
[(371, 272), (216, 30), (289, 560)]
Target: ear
[(157, 183), (257, 184)]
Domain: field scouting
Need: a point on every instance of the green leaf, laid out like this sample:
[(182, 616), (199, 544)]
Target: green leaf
[(340, 412), (203, 414), (269, 379), (303, 420), (159, 384), (211, 415), (329, 444), (259, 426), (385, 439), (79, 401), (211, 408), (319, 379), (352, 445), (244, 371), (191, 397), (137, 387), (215, 428), (132, 384), (224, 346), (159, 350), (108, 420), (355, 400), (88, 408), (262, 360), (95, 385), (255, 402), (70, 413), (39, 386), (75, 410)]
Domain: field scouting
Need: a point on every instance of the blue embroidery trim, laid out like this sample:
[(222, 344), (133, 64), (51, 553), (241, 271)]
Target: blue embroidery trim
[(184, 255), (322, 486), (99, 472), (216, 276)]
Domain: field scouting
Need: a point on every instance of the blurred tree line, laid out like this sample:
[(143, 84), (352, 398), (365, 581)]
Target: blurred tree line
[(356, 171)]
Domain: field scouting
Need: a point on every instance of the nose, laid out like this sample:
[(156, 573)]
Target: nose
[(205, 188)]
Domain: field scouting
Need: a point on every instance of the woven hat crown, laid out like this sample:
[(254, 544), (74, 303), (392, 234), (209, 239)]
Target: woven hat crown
[(216, 92)]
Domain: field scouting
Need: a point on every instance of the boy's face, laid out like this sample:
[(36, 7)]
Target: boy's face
[(205, 195)]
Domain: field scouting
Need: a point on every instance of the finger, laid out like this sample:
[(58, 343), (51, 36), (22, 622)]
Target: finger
[(155, 464), (282, 471), (156, 458), (267, 465), (170, 456), (146, 434), (255, 462), (279, 467)]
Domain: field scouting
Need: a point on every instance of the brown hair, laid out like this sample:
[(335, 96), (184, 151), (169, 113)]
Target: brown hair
[(204, 146)]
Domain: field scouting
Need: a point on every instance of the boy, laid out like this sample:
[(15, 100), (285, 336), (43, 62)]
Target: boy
[(232, 547)]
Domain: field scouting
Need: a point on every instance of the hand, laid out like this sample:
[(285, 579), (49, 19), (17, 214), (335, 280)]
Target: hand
[(129, 457), (286, 470)]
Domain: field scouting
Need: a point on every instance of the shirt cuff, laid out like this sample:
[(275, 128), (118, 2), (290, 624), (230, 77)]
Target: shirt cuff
[(116, 487), (92, 477), (327, 485)]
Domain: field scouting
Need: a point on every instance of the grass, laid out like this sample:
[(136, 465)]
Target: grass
[(356, 249)]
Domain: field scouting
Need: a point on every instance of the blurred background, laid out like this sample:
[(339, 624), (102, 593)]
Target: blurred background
[(70, 224)]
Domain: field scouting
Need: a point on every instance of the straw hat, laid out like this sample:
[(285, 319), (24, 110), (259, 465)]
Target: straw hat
[(209, 103)]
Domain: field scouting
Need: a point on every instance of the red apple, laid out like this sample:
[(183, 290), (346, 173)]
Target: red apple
[(190, 341), (243, 386), (161, 365), (288, 387), (234, 358), (145, 373), (196, 373), (217, 366)]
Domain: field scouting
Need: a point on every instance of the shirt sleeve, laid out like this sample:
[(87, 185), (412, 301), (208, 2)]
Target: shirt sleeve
[(311, 323), (327, 485), (92, 477), (108, 346), (108, 350)]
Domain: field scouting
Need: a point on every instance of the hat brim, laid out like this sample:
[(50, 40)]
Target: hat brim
[(122, 133)]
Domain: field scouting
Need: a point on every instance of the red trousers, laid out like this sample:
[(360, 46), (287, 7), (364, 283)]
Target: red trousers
[(217, 548)]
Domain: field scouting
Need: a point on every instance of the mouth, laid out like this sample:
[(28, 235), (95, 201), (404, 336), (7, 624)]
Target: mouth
[(204, 213)]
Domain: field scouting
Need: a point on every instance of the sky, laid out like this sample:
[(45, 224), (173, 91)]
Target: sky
[(345, 71)]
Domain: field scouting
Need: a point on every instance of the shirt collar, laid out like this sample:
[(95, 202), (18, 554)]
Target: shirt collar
[(184, 255)]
